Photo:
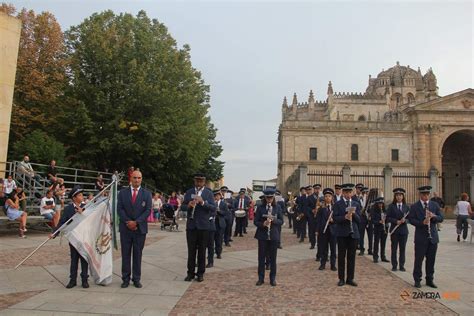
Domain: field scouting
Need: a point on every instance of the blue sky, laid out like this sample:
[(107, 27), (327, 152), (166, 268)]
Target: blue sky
[(253, 53)]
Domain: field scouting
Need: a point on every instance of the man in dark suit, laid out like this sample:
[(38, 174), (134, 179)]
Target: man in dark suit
[(347, 232), (424, 215), (313, 201), (133, 208), (229, 217), (302, 213), (200, 207)]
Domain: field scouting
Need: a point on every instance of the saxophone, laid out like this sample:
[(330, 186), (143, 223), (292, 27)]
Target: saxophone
[(316, 209)]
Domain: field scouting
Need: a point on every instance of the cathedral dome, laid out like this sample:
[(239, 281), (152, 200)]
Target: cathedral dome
[(398, 76)]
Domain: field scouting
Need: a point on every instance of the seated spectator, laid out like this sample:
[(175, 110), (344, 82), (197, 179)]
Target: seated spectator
[(115, 176), (21, 198), (52, 173), (90, 197), (13, 212), (9, 185), (47, 208), (99, 183), (26, 168)]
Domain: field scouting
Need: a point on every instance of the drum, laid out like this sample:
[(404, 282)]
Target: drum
[(240, 213)]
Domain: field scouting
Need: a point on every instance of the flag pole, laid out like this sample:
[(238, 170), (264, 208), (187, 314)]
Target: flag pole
[(54, 234)]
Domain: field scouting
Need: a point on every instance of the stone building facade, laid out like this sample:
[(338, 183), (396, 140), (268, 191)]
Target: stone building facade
[(399, 121)]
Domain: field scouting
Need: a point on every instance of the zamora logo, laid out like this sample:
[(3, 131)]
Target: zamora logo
[(416, 295)]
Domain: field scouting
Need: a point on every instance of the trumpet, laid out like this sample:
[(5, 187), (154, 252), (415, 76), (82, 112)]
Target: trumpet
[(316, 209), (428, 217)]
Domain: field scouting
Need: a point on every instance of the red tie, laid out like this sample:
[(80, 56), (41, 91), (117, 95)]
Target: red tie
[(134, 196)]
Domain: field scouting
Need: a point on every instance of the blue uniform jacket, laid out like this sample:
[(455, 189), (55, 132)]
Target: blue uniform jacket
[(322, 218), (230, 207), (138, 211), (311, 203), (394, 215), (221, 214), (202, 213), (245, 205), (416, 218), (69, 211), (376, 215), (343, 226), (262, 231), (301, 204)]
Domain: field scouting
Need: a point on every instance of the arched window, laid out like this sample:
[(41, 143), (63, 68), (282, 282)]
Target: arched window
[(361, 118), (410, 98)]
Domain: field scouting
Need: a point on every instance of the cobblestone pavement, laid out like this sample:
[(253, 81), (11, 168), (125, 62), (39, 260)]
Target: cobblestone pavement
[(7, 300), (48, 255), (304, 290)]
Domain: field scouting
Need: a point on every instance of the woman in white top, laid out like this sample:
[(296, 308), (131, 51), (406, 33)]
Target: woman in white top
[(464, 211)]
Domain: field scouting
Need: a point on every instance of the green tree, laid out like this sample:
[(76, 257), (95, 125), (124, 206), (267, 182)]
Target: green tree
[(41, 147), (41, 74), (139, 99)]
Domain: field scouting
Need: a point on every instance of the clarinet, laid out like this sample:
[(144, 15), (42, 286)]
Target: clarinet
[(383, 215), (398, 225), (194, 207), (327, 222), (269, 216), (350, 220), (427, 216)]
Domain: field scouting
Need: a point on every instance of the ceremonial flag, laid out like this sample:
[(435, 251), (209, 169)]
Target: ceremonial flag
[(91, 234)]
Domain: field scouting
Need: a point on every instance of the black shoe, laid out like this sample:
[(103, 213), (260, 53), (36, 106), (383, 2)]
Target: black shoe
[(280, 247), (385, 260), (241, 235), (301, 240), (200, 278), (85, 284), (273, 283), (231, 240), (219, 257), (235, 235), (459, 238), (333, 268), (402, 269), (209, 265), (124, 285), (137, 284), (340, 283), (71, 284), (361, 253), (351, 283), (431, 284), (321, 267), (376, 260), (187, 279), (245, 232), (312, 247), (227, 245), (259, 282), (417, 284), (370, 252), (394, 269)]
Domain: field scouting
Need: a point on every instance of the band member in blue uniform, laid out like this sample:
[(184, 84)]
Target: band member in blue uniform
[(379, 220), (325, 228), (134, 205), (76, 206), (199, 204), (302, 213), (396, 215), (241, 206), (221, 213), (424, 215), (281, 203), (347, 218), (314, 201), (229, 217), (267, 219)]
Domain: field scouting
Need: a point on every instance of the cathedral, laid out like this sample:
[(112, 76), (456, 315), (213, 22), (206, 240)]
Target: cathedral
[(400, 121)]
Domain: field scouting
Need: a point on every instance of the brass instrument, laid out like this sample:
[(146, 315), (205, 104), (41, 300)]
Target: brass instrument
[(270, 219), (316, 209), (300, 216), (427, 216), (383, 216)]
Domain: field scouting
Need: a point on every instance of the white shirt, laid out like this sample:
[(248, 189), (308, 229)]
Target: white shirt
[(132, 189), (463, 207), (43, 204), (400, 206), (8, 186), (157, 203)]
